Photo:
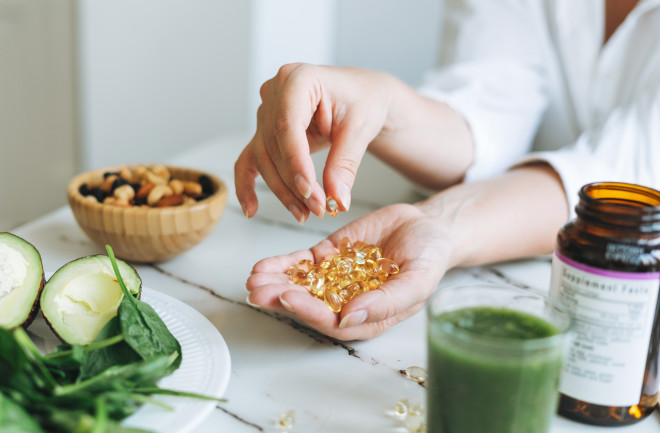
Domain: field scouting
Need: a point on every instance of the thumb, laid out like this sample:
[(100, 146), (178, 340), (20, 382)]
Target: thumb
[(396, 300)]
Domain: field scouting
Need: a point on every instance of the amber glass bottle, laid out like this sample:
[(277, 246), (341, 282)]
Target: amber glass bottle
[(606, 268)]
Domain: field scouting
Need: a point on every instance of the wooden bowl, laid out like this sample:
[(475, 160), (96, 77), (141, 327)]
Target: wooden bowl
[(147, 234)]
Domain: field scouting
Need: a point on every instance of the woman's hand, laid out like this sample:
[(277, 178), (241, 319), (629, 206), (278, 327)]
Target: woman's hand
[(415, 241), (306, 108)]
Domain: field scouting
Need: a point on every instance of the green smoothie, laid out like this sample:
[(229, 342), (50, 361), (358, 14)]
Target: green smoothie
[(492, 370)]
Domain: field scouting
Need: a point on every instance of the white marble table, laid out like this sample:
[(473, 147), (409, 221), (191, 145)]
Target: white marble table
[(278, 364)]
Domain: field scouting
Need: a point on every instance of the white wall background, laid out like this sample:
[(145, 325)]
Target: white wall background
[(156, 76)]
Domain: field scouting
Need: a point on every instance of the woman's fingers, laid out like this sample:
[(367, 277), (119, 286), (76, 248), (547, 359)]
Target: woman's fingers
[(245, 173)]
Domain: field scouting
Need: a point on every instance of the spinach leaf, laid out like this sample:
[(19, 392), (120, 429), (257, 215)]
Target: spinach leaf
[(142, 327), (14, 419), (105, 357)]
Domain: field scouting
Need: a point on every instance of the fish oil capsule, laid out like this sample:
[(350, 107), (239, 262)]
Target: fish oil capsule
[(305, 265), (344, 244), (332, 276), (286, 420), (401, 408), (382, 276), (355, 288), (357, 275), (369, 266), (344, 280), (317, 284), (373, 283), (345, 266), (333, 300), (387, 265), (325, 264), (417, 374), (298, 276), (374, 254), (360, 257), (333, 207)]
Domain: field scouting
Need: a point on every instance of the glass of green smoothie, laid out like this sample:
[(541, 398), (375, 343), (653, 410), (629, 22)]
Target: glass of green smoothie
[(495, 356)]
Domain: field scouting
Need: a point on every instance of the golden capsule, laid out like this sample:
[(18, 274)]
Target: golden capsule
[(374, 283), (369, 266), (286, 420), (345, 266), (325, 264), (298, 276), (305, 265), (344, 280), (332, 275), (344, 244), (382, 276), (332, 206), (317, 285), (344, 295), (357, 275), (387, 265), (360, 257), (374, 253), (417, 374), (333, 300), (355, 288)]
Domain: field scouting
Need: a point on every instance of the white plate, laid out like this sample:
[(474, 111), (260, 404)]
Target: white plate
[(205, 367)]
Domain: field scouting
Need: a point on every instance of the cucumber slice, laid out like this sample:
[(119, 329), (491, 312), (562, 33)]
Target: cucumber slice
[(21, 281), (83, 295)]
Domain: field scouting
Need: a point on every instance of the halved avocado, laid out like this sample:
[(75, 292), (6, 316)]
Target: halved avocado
[(83, 295), (21, 281)]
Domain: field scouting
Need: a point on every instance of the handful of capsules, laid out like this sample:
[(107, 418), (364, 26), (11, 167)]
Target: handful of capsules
[(357, 268)]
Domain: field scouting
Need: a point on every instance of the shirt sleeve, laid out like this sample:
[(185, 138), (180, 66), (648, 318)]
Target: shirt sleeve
[(624, 148), (491, 73)]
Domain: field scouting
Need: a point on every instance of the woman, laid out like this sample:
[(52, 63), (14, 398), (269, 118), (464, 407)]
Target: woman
[(533, 99)]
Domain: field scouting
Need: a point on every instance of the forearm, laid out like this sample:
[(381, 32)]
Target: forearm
[(424, 139), (514, 215)]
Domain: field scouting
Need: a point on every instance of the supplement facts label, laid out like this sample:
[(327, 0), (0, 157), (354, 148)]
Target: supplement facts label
[(613, 317)]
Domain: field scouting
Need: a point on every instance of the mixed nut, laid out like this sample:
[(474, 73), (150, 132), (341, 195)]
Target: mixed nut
[(151, 186)]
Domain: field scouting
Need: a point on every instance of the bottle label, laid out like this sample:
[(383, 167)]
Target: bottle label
[(613, 315)]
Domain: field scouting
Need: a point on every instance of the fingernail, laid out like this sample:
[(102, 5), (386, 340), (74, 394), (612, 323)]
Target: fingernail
[(303, 187), (344, 196), (243, 208), (315, 206), (353, 319), (250, 303), (286, 305), (297, 212)]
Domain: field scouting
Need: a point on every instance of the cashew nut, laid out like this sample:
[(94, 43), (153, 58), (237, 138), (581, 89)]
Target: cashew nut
[(158, 192), (124, 192)]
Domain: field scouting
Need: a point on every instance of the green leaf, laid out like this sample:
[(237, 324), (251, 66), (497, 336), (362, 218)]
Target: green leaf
[(142, 327), (122, 377), (106, 356), (14, 419)]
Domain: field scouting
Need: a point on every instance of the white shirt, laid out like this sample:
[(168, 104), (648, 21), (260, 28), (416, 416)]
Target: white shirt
[(535, 82)]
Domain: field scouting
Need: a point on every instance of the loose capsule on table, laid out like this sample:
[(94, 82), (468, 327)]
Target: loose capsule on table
[(356, 268)]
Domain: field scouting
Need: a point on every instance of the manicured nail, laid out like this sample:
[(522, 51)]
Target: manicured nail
[(251, 304), (315, 206), (344, 196), (303, 187), (297, 212), (286, 305), (353, 319), (244, 209)]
